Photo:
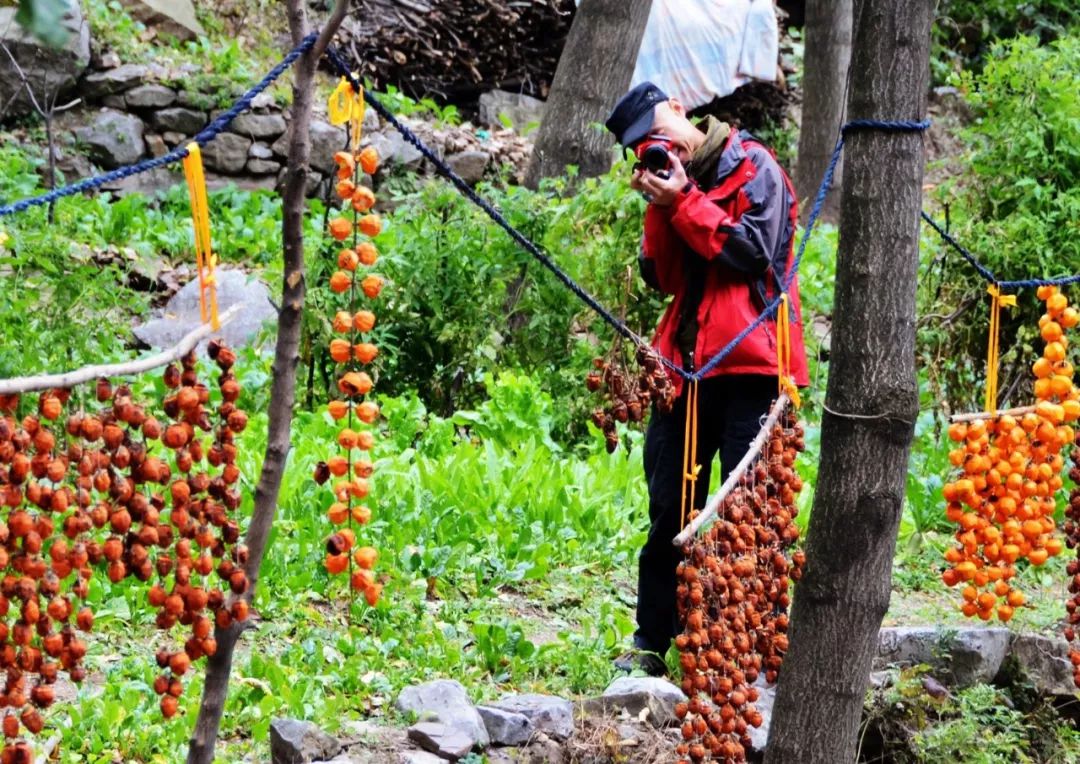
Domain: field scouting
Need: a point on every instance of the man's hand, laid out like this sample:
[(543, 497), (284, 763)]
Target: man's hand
[(662, 192)]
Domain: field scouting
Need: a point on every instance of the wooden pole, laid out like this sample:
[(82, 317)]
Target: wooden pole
[(714, 504), (1020, 411), (125, 369)]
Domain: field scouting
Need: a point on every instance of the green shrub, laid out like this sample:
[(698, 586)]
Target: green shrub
[(964, 30), (1016, 206)]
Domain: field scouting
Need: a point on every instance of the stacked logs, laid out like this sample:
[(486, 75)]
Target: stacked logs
[(460, 48), (733, 597), (114, 486), (629, 395)]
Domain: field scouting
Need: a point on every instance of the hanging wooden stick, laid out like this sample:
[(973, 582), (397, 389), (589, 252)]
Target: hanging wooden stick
[(971, 417), (736, 474), (127, 368)]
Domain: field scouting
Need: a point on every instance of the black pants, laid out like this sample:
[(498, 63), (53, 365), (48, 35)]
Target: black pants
[(730, 411)]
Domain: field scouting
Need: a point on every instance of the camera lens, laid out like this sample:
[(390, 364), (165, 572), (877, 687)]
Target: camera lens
[(655, 158)]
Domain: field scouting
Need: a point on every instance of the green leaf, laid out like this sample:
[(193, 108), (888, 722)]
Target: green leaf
[(42, 18)]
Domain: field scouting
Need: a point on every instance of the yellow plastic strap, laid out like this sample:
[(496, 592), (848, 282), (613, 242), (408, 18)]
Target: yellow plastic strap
[(691, 468), (205, 259), (785, 380), (993, 350), (347, 106)]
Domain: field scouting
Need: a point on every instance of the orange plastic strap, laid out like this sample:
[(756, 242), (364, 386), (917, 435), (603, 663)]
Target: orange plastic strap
[(205, 259), (993, 350), (785, 379), (691, 468)]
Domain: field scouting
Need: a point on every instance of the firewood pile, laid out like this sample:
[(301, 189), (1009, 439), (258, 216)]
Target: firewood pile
[(457, 49)]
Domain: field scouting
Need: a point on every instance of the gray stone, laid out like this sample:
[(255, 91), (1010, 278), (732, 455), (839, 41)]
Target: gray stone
[(298, 742), (402, 152), (549, 714), (419, 757), (506, 727), (175, 17), (260, 150), (759, 736), (259, 125), (156, 144), (447, 699), (542, 750), (148, 183), (179, 119), (114, 102), (173, 138), (113, 138), (326, 140), (47, 70), (470, 165), (107, 60), (1043, 661), (195, 100), (262, 167), (968, 655), (111, 81), (215, 182), (636, 694), (371, 121), (226, 153), (149, 97), (383, 146), (520, 110), (181, 313), (442, 739), (263, 100)]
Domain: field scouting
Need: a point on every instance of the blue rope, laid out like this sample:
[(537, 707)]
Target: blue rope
[(203, 137), (987, 274)]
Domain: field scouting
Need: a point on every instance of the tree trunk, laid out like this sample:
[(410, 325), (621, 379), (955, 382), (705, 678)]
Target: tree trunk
[(827, 35), (594, 71), (871, 400), (283, 387)]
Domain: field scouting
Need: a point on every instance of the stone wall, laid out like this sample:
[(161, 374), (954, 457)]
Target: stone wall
[(127, 112)]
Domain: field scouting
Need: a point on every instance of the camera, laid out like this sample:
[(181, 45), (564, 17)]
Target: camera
[(652, 153)]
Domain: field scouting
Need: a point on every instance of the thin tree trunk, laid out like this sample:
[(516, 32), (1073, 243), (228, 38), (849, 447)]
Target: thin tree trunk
[(827, 34), (871, 400), (594, 70), (283, 388)]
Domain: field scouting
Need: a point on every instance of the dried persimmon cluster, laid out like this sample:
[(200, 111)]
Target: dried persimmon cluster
[(733, 597), (115, 486), (629, 394)]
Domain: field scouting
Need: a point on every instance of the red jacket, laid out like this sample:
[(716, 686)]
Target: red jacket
[(733, 242)]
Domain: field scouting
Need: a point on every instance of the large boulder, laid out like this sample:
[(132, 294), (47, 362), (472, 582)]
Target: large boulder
[(517, 109), (47, 70), (298, 742), (447, 700), (506, 727), (1043, 661), (149, 96), (549, 714), (259, 125), (113, 81), (441, 739), (227, 153), (113, 139), (647, 698), (181, 313), (175, 17), (966, 655), (179, 119)]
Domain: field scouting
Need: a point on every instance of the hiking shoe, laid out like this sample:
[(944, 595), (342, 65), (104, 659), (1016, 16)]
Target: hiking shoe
[(641, 660)]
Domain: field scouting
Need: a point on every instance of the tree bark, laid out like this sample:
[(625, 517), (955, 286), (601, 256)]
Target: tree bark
[(594, 70), (871, 400), (283, 387), (827, 36)]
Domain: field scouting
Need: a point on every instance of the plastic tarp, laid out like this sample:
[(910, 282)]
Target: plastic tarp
[(697, 50)]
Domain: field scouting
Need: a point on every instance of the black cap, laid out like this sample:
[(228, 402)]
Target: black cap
[(632, 116)]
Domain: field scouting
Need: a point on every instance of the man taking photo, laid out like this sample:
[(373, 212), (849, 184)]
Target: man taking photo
[(719, 237)]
